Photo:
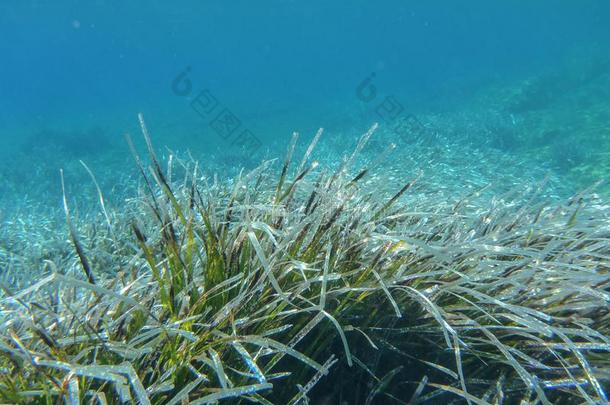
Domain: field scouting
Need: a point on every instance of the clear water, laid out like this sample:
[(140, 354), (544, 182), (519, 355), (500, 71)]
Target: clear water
[(230, 83), (503, 94)]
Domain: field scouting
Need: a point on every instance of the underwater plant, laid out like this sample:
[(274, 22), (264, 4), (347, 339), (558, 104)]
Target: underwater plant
[(312, 284)]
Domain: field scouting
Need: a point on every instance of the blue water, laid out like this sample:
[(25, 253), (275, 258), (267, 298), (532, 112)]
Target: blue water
[(479, 98), (74, 75)]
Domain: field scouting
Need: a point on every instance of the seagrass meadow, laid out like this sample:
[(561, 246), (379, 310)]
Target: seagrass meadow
[(304, 282)]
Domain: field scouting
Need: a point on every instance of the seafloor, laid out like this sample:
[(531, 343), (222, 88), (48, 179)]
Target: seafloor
[(465, 262)]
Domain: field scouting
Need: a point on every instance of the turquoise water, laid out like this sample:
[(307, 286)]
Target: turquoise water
[(71, 68), (496, 108), (514, 92), (527, 81)]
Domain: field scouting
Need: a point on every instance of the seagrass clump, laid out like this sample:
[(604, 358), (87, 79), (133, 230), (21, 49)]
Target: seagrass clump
[(312, 284)]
